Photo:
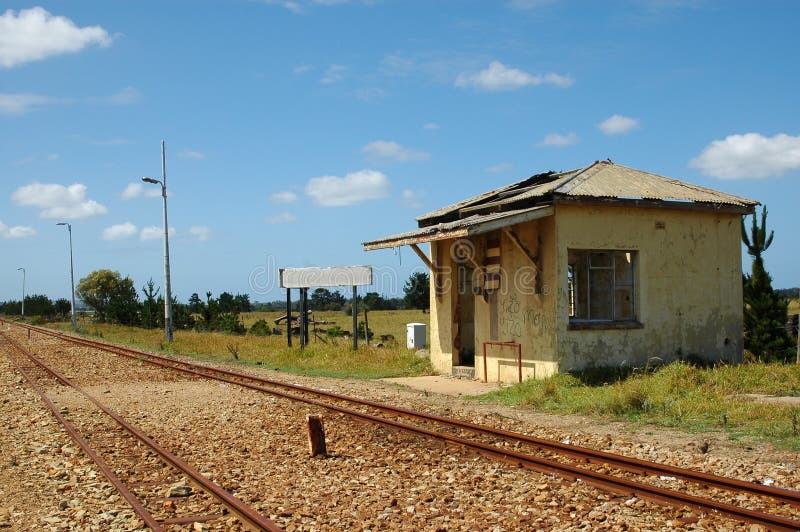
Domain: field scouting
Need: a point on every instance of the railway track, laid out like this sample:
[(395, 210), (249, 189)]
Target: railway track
[(162, 489), (503, 445)]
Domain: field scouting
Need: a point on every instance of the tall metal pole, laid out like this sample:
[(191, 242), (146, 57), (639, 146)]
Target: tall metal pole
[(72, 279), (167, 286), (23, 291)]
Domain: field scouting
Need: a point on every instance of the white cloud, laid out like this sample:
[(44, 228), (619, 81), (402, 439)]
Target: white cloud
[(431, 126), (283, 218), (499, 168), (618, 124), (34, 34), (154, 232), (119, 231), (559, 141), (191, 154), (301, 69), (200, 232), (21, 103), (58, 201), (749, 155), (333, 74), (498, 77), (386, 149), (353, 188), (126, 96), (17, 231), (411, 199), (285, 197), (137, 190), (53, 156)]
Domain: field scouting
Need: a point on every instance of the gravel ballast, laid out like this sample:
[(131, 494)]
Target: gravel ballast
[(255, 446)]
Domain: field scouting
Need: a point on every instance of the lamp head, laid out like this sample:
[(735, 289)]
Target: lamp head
[(150, 180), (61, 223)]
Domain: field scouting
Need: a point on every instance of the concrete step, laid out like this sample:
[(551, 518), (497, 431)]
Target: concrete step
[(464, 372)]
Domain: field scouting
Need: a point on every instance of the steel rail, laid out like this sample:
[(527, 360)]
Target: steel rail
[(246, 514), (137, 506), (611, 483), (587, 454)]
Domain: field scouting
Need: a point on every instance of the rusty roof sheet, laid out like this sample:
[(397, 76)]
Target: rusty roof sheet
[(472, 225), (598, 180)]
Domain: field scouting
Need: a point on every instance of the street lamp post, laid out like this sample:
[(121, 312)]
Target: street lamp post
[(71, 275), (167, 288), (23, 291)]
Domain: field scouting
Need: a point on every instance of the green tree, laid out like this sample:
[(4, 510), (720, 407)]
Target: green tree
[(151, 317), (62, 306), (195, 303), (418, 291), (764, 311), (111, 296)]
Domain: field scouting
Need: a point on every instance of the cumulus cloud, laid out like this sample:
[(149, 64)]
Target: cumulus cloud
[(34, 34), (191, 154), (411, 199), (749, 155), (352, 189), (283, 218), (137, 190), (119, 231), (559, 141), (499, 168), (386, 149), (58, 201), (498, 77), (285, 197), (154, 232), (200, 232), (333, 74), (431, 126), (618, 125), (16, 231), (301, 69)]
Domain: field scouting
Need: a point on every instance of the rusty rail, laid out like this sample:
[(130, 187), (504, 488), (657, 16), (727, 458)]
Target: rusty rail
[(245, 513), (608, 482)]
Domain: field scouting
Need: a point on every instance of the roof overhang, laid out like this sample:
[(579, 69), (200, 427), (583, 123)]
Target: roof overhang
[(474, 225)]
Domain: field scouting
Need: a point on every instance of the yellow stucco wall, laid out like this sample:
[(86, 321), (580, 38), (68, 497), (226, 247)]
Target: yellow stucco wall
[(689, 285), (688, 293), (522, 316)]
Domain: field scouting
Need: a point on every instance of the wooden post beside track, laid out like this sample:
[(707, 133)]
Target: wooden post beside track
[(316, 436)]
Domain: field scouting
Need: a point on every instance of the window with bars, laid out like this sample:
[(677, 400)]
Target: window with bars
[(602, 285)]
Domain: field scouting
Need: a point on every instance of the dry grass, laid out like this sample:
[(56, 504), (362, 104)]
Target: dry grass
[(323, 356), (678, 395), (794, 306)]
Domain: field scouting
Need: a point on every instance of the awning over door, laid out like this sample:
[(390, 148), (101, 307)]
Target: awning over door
[(466, 227)]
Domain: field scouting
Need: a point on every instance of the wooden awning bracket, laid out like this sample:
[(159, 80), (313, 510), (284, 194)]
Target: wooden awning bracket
[(423, 257), (514, 237)]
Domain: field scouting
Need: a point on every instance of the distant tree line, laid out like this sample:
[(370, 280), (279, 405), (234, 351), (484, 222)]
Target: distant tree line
[(37, 305), (115, 299)]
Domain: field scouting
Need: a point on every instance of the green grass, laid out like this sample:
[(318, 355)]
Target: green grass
[(335, 358), (677, 395)]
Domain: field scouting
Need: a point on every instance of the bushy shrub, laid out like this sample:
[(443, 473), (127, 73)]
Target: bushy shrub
[(260, 328)]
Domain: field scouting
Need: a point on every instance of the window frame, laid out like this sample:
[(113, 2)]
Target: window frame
[(573, 290)]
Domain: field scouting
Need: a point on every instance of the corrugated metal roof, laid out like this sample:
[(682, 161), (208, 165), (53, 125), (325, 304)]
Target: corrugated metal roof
[(473, 225), (608, 180), (598, 180)]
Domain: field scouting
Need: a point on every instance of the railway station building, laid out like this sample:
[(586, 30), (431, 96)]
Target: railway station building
[(601, 266)]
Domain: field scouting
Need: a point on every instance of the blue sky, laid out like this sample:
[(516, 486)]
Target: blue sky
[(297, 129)]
